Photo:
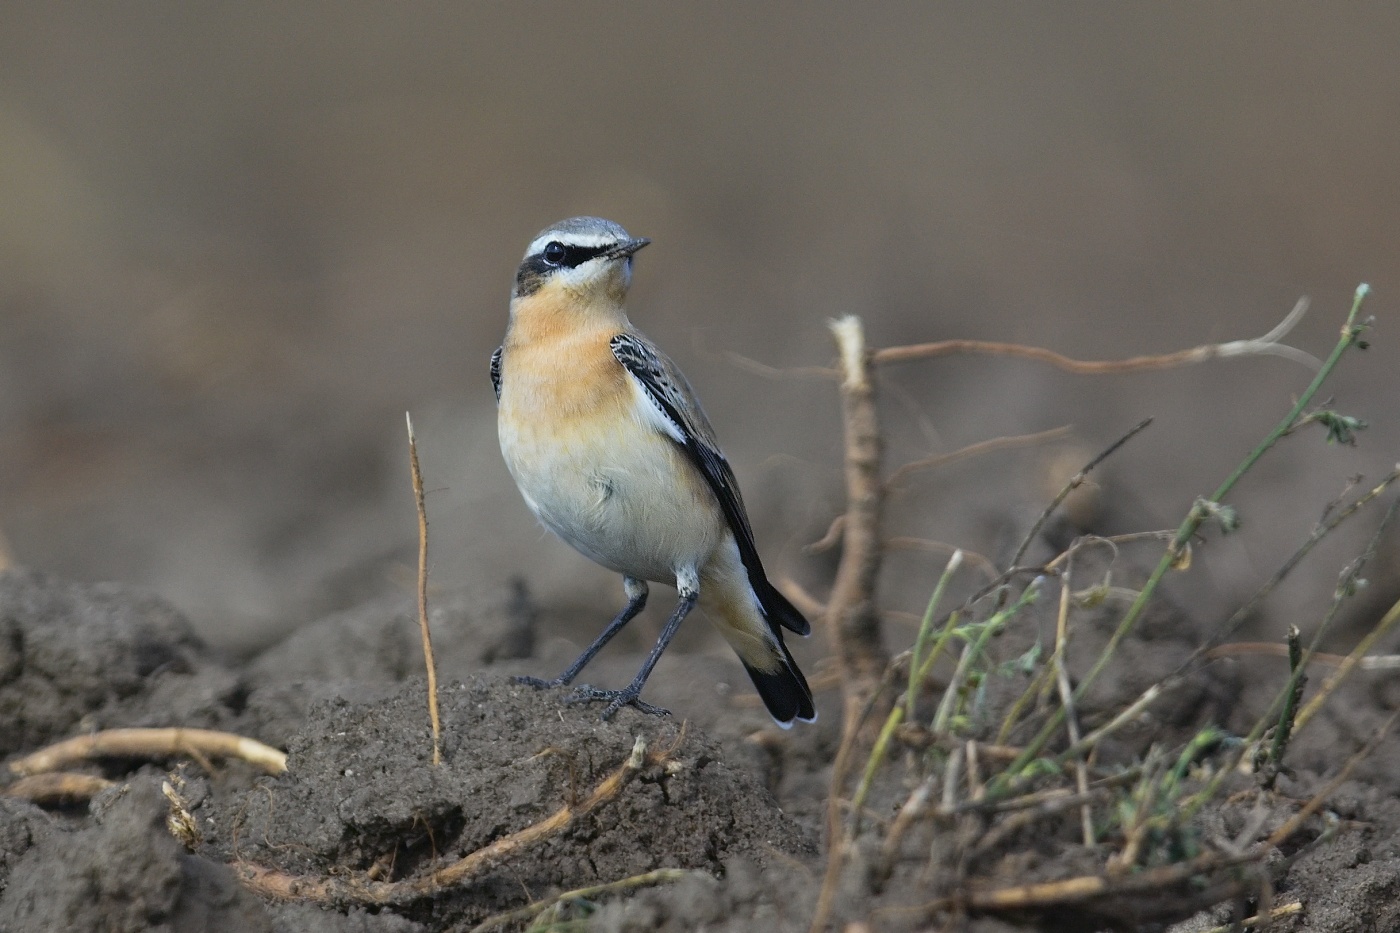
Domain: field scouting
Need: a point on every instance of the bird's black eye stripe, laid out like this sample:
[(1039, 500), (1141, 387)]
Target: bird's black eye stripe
[(556, 254)]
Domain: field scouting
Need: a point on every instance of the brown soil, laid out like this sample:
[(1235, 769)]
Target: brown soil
[(737, 800)]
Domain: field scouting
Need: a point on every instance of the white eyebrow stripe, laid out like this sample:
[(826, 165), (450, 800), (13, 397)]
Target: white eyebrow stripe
[(587, 240)]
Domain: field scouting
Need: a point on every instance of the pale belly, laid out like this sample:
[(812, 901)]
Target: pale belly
[(624, 496)]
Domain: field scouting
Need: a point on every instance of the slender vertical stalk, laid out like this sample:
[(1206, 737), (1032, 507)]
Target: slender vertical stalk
[(423, 592)]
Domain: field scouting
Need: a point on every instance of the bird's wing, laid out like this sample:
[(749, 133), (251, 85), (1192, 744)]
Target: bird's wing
[(496, 371), (677, 414)]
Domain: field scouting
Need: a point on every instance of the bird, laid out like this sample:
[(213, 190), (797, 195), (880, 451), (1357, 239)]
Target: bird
[(612, 452)]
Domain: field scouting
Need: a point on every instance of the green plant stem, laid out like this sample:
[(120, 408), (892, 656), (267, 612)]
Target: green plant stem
[(1344, 670), (1075, 482), (974, 650), (872, 764), (916, 669), (1345, 588), (938, 647), (1351, 333), (1198, 744), (1296, 682), (1323, 528)]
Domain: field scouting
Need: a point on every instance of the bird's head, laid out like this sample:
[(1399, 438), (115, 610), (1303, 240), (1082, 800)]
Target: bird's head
[(586, 259)]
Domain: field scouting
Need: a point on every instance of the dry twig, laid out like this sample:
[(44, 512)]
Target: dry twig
[(1325, 526), (349, 889), (58, 787), (1281, 835), (660, 876), (1074, 483), (1374, 662), (150, 743), (974, 450), (1344, 669), (854, 714), (423, 592), (851, 613), (1265, 345)]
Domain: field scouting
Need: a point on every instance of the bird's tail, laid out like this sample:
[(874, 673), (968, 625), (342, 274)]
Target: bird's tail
[(784, 690), (751, 616), (779, 610), (759, 645)]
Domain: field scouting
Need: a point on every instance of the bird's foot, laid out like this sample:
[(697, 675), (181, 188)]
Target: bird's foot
[(617, 699)]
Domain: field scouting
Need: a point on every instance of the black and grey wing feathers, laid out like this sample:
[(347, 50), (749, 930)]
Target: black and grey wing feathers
[(686, 424), (496, 371)]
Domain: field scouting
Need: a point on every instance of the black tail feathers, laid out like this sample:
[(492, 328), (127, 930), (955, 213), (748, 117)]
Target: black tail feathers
[(778, 610), (785, 691)]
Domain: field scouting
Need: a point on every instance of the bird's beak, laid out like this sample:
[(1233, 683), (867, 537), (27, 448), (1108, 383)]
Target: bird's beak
[(624, 250)]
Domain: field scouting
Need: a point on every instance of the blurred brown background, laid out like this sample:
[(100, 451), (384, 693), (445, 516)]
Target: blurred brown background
[(239, 240)]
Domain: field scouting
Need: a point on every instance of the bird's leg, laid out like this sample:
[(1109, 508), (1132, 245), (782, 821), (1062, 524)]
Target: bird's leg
[(636, 591), (688, 586)]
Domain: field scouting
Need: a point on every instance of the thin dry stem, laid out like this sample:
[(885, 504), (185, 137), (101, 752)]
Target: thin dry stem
[(58, 787), (1125, 716), (1089, 887), (780, 373), (1325, 526), (913, 808), (974, 450), (829, 540), (648, 879), (854, 714), (983, 563), (150, 743), (1281, 835), (1053, 803), (1344, 669), (1375, 662), (1057, 662), (1074, 483), (1267, 345), (1260, 921), (835, 835), (851, 613), (280, 885), (427, 636), (808, 604)]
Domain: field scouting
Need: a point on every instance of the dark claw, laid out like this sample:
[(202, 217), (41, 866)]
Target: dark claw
[(617, 700)]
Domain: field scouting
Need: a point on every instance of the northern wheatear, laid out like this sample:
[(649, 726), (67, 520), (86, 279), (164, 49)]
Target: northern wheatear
[(612, 452)]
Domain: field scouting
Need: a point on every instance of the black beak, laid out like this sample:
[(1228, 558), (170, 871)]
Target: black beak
[(625, 250)]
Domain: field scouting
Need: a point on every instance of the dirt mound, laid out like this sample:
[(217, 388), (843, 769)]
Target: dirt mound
[(360, 794), (125, 872), (533, 793), (75, 656)]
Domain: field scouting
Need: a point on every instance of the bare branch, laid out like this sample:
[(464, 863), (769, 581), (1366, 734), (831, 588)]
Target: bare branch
[(1267, 345), (1074, 483), (150, 743), (977, 449), (58, 787), (777, 373), (851, 612)]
